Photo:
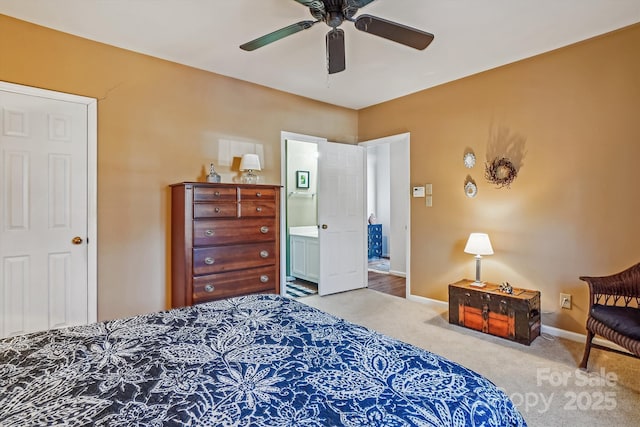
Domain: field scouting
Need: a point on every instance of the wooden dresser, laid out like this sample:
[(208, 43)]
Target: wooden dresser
[(225, 241), (513, 316)]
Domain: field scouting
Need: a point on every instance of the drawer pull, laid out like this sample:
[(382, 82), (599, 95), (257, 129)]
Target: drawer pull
[(217, 210), (264, 229), (264, 278), (264, 254), (259, 209), (258, 194), (209, 232), (209, 288), (209, 261), (216, 194)]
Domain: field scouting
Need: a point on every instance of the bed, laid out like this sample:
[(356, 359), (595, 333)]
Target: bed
[(258, 360)]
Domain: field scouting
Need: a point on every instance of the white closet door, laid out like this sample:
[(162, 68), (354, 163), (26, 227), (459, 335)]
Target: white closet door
[(43, 213)]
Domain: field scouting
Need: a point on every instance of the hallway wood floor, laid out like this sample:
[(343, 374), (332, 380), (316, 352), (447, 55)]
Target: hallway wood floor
[(381, 282), (388, 284)]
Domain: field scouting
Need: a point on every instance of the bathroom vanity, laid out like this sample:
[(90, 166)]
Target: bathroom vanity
[(304, 253)]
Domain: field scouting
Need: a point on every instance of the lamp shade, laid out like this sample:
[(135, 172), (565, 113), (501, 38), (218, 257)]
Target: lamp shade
[(479, 244), (250, 162)]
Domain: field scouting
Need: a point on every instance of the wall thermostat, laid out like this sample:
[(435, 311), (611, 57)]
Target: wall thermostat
[(418, 191)]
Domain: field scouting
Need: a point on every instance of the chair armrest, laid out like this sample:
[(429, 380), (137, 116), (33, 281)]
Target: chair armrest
[(625, 284)]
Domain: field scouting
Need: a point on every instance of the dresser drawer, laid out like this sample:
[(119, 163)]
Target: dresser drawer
[(212, 194), (257, 209), (257, 194), (224, 285), (215, 210), (236, 257), (226, 231)]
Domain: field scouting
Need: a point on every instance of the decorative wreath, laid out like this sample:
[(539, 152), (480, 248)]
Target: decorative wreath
[(501, 172)]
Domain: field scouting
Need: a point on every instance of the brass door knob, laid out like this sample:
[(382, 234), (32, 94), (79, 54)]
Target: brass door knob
[(77, 240)]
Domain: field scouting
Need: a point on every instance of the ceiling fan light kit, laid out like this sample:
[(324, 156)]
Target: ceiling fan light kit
[(334, 13)]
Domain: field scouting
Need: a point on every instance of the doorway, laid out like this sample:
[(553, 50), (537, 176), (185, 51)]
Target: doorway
[(398, 241), (301, 201), (326, 245), (388, 205)]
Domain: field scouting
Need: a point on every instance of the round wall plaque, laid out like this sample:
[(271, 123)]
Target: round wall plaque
[(469, 160)]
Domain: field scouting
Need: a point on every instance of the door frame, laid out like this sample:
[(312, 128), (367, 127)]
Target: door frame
[(284, 136), (92, 180), (390, 140)]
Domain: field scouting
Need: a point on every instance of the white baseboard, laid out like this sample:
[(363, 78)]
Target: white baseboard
[(398, 273), (581, 338), (562, 333), (424, 300), (545, 329)]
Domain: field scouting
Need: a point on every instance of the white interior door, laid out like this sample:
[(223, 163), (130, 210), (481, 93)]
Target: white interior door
[(43, 214), (341, 217)]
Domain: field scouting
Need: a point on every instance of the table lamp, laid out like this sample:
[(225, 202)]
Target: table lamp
[(249, 164), (478, 245)]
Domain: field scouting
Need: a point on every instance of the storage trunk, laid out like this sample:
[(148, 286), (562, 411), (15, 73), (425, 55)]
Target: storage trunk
[(513, 316)]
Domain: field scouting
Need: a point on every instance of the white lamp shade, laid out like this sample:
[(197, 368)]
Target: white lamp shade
[(479, 244), (250, 162)]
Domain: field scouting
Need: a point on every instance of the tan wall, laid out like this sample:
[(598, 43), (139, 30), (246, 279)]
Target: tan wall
[(573, 209), (158, 123), (302, 209)]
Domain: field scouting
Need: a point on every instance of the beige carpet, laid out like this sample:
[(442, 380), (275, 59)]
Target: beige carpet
[(541, 379)]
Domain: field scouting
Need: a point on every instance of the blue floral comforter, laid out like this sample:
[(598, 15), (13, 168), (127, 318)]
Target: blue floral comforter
[(260, 360)]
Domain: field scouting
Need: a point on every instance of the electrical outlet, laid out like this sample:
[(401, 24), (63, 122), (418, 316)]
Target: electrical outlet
[(565, 301)]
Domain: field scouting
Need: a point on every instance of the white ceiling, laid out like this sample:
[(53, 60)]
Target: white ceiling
[(470, 36)]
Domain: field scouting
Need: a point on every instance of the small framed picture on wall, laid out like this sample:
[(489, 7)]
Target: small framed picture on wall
[(302, 179)]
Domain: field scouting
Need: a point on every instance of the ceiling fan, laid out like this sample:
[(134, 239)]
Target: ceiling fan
[(334, 13)]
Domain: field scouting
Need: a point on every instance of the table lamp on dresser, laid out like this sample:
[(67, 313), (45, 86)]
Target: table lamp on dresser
[(249, 164)]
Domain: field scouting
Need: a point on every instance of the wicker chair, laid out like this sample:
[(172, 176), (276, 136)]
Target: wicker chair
[(614, 311)]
